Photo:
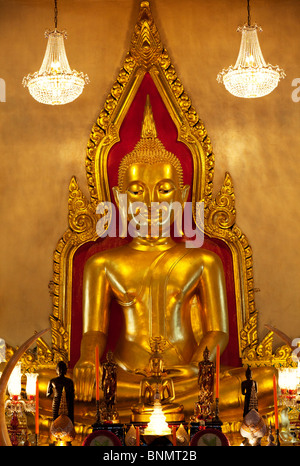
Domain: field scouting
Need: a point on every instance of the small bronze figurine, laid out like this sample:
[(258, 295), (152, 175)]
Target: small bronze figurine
[(206, 387), (109, 381), (109, 387), (249, 390), (56, 387)]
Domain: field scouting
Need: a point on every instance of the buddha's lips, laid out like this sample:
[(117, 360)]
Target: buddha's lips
[(153, 215)]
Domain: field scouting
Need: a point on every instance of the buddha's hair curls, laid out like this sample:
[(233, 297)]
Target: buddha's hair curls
[(149, 151)]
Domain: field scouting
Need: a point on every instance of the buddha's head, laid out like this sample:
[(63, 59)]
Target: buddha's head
[(110, 356), (152, 180), (206, 354), (61, 368), (156, 365)]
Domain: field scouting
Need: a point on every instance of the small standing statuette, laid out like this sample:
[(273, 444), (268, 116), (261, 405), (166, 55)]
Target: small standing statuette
[(206, 374), (62, 430), (62, 427), (249, 390), (56, 387), (253, 427), (109, 386)]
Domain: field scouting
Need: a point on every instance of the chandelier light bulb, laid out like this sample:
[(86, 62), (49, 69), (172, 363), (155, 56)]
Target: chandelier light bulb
[(14, 382), (251, 76), (31, 379)]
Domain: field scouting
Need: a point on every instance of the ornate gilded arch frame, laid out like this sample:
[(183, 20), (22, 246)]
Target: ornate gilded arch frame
[(147, 54)]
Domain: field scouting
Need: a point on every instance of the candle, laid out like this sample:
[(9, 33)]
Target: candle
[(97, 371), (275, 401), (217, 370), (174, 435), (137, 436), (37, 425)]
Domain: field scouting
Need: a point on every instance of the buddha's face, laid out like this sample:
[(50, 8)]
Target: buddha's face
[(156, 366), (151, 191)]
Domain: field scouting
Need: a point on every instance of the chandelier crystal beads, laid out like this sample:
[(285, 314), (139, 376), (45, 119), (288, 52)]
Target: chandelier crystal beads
[(251, 76), (55, 83)]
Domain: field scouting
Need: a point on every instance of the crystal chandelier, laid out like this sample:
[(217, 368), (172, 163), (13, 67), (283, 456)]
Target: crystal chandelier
[(250, 77), (55, 83)]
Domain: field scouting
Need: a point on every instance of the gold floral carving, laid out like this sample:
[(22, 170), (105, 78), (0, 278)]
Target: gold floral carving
[(146, 47), (261, 354), (82, 228), (34, 358)]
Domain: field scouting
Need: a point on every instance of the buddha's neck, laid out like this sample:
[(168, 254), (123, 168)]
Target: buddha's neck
[(152, 244)]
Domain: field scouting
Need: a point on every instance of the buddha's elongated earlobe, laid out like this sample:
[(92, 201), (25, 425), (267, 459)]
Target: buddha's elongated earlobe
[(121, 203), (185, 193), (116, 193)]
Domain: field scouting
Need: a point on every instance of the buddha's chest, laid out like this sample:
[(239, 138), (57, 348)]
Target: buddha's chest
[(152, 283)]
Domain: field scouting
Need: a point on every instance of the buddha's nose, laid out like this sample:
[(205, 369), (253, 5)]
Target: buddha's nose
[(149, 198)]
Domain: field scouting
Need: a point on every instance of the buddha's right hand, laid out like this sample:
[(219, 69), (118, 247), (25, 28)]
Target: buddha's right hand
[(84, 370), (84, 379)]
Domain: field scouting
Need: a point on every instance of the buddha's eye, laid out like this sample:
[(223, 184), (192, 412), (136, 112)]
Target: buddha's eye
[(165, 191), (166, 188), (136, 190)]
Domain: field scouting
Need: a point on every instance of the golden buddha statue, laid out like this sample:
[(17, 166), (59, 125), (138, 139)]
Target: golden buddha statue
[(156, 281)]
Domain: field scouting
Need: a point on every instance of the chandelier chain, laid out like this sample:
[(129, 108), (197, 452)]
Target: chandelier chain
[(55, 13), (249, 16)]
